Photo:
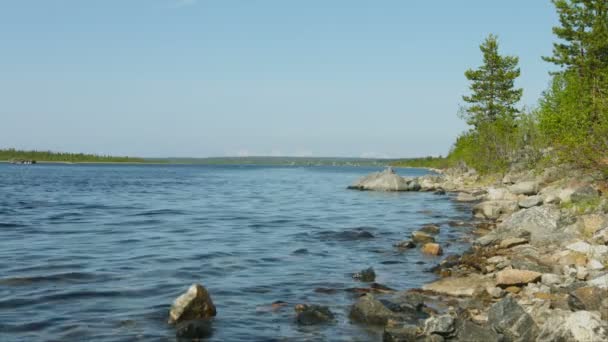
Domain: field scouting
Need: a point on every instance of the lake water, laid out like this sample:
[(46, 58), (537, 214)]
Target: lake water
[(99, 252)]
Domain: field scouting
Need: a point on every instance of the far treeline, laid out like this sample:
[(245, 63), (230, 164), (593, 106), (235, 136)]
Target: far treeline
[(570, 122), (48, 156)]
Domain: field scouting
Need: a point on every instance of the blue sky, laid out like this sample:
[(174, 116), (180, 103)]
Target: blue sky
[(253, 77)]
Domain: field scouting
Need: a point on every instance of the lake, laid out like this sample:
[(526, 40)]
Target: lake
[(99, 252)]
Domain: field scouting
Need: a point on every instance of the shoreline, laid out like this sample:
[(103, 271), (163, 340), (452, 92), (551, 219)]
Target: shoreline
[(536, 269)]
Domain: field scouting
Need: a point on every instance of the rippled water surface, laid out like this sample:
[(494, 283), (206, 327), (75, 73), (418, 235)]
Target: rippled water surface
[(99, 252)]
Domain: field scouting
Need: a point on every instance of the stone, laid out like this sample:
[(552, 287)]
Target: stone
[(530, 202), (470, 332), (497, 259), (513, 289), (386, 180), (313, 314), (422, 237), (466, 197), (507, 317), (495, 292), (584, 193), (367, 275), (500, 194), (601, 236), (581, 272), (405, 244), (512, 242), (441, 325), (492, 210), (524, 188), (405, 333), (194, 329), (432, 249), (595, 265), (579, 326), (550, 279), (459, 286), (430, 229), (371, 311), (506, 278), (540, 223), (195, 304), (591, 250), (593, 223), (601, 281), (552, 199), (587, 298)]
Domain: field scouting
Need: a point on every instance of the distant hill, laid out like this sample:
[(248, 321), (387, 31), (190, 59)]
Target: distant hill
[(279, 161)]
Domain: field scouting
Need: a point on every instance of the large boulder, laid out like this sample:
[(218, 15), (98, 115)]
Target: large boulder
[(195, 304), (507, 317), (540, 223), (524, 188), (579, 326), (386, 180)]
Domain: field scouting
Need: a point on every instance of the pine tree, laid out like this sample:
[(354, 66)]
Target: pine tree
[(493, 94)]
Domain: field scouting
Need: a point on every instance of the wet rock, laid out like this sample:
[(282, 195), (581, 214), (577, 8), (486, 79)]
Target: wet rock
[(587, 298), (195, 304), (507, 317), (470, 332), (530, 202), (512, 242), (405, 244), (440, 325), (386, 180), (513, 277), (422, 237), (371, 311), (432, 249), (194, 329), (579, 326), (459, 286), (367, 275), (430, 229), (313, 314), (524, 188)]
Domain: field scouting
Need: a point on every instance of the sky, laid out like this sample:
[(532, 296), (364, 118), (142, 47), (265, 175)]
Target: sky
[(199, 78)]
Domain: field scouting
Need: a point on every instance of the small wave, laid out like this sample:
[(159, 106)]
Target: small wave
[(70, 277), (161, 212), (11, 225)]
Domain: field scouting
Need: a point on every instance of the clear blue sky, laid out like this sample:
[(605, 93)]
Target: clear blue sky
[(253, 77)]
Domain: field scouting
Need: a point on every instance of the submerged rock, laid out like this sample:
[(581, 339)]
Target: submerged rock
[(431, 229), (313, 314), (405, 244), (422, 237), (386, 180), (367, 275), (432, 249), (194, 329), (195, 304)]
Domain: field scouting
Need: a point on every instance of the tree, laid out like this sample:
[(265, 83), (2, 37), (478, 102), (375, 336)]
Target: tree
[(493, 94)]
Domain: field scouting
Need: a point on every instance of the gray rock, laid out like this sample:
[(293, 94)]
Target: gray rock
[(507, 317), (579, 326), (492, 210), (441, 325), (470, 332), (584, 193), (530, 202), (524, 188), (367, 275), (195, 304), (405, 333), (541, 223), (371, 311), (313, 314), (601, 281), (194, 330), (550, 279), (386, 180)]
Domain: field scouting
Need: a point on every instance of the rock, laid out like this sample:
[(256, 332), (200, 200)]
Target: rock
[(405, 333), (592, 223), (422, 237), (500, 194), (581, 273), (524, 188), (371, 311), (497, 259), (313, 314), (386, 180), (367, 275), (442, 325), (506, 278), (405, 244), (507, 317), (550, 279), (584, 193), (459, 286), (595, 265), (194, 329), (601, 236), (495, 292), (432, 249), (513, 289), (601, 281), (430, 229), (552, 199), (592, 250), (413, 185), (470, 332), (530, 202), (541, 223), (512, 242), (580, 326), (195, 304), (587, 298), (492, 210)]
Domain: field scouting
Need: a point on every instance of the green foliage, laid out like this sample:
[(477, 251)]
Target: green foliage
[(493, 93), (425, 162), (8, 154)]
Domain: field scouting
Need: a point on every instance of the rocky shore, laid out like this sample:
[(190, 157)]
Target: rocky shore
[(536, 271)]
